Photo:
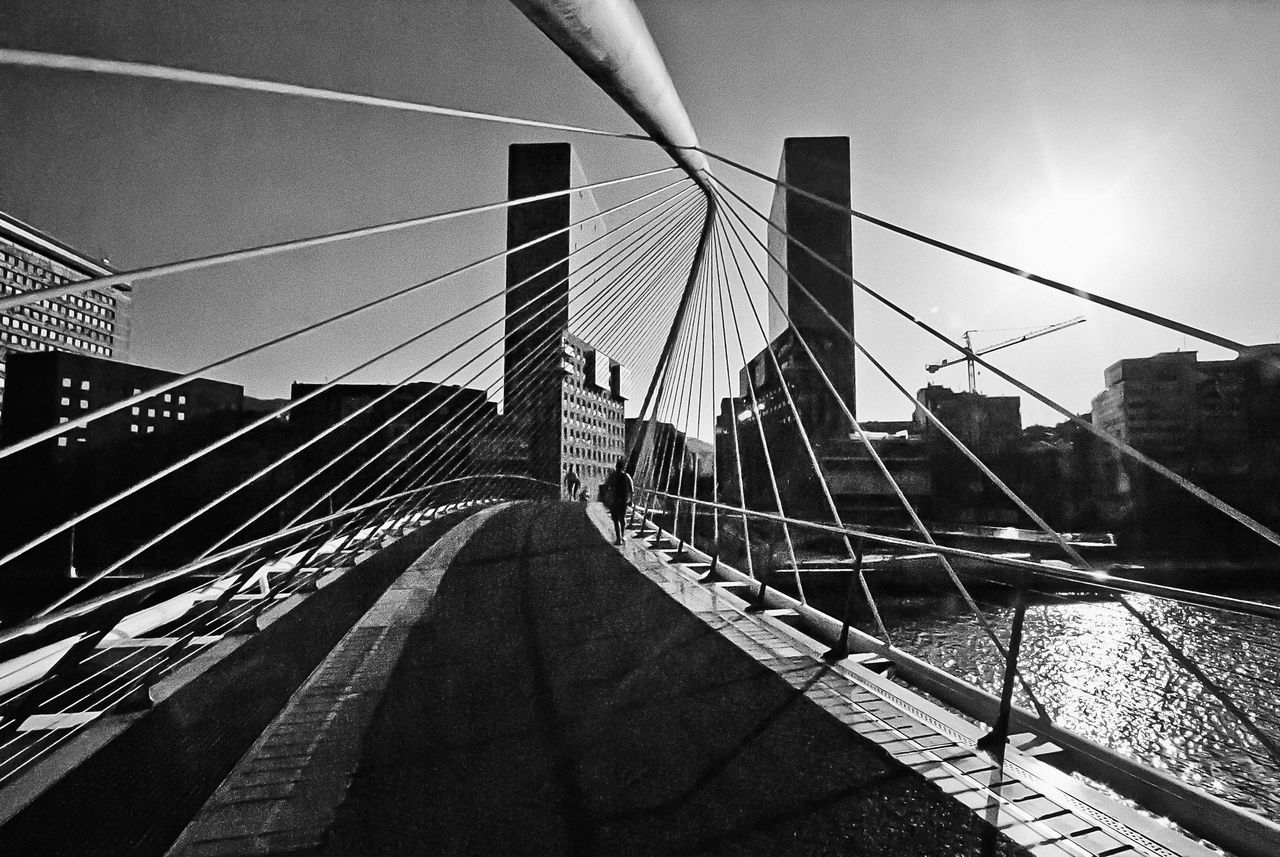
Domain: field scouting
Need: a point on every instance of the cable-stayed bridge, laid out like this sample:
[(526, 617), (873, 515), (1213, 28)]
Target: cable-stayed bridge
[(397, 636)]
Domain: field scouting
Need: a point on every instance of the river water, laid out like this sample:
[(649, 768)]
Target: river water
[(1102, 674)]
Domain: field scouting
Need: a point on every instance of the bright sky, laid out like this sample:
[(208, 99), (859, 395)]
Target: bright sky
[(1123, 147)]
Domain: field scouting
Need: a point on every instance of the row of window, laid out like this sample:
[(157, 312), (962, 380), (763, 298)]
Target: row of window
[(80, 320), (168, 397), (19, 325), (26, 274), (17, 339), (601, 455)]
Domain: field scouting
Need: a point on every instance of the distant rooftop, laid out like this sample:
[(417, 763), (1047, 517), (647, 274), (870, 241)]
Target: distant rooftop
[(30, 238)]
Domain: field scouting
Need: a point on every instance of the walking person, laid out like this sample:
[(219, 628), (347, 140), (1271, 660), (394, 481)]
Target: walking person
[(617, 496), (571, 483)]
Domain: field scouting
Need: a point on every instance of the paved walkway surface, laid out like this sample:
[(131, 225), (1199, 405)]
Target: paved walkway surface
[(555, 701), (525, 689)]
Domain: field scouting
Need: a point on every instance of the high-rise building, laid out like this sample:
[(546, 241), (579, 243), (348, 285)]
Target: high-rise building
[(95, 322), (560, 393), (811, 250), (817, 257)]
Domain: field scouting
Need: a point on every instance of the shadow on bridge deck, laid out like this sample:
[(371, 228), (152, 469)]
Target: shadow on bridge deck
[(552, 700)]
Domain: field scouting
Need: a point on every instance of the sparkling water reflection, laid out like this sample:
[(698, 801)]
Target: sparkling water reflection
[(1100, 673)]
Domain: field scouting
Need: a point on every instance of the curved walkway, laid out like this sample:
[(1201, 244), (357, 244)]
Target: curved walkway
[(555, 701)]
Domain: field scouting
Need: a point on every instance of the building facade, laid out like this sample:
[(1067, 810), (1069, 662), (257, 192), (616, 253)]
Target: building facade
[(418, 433), (593, 425), (52, 387), (1213, 422), (71, 473), (94, 323)]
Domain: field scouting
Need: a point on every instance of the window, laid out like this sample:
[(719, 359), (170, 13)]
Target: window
[(151, 412), (65, 401), (84, 403), (150, 429), (135, 410), (182, 400), (62, 441), (168, 398), (181, 416), (62, 420), (133, 428), (66, 382), (166, 413)]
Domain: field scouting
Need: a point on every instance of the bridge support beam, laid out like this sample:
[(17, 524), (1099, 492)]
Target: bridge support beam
[(609, 41)]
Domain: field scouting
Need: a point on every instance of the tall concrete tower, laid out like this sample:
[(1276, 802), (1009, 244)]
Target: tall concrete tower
[(564, 396), (820, 166)]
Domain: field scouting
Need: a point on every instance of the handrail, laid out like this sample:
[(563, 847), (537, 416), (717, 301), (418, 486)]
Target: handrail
[(31, 627), (1092, 578)]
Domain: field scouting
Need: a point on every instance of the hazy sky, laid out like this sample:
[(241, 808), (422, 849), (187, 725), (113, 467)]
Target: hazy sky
[(1127, 148)]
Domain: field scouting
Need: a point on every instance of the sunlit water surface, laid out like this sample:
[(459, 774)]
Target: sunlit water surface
[(1103, 675)]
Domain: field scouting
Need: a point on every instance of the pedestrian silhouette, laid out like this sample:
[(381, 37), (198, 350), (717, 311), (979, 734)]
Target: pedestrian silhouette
[(618, 488)]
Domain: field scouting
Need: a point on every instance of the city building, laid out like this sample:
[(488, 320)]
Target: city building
[(991, 428), (987, 425), (95, 322), (69, 474), (811, 250), (422, 432), (560, 393), (48, 388), (1212, 421)]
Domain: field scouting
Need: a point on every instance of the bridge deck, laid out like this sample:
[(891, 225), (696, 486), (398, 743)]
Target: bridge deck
[(525, 690)]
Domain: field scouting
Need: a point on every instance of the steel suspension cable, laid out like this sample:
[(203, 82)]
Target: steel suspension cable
[(172, 74), (694, 342), (665, 369), (675, 230), (141, 396), (764, 441), (350, 417), (733, 425), (223, 441), (601, 260), (682, 348)]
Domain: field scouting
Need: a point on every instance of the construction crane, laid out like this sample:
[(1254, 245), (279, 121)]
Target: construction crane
[(968, 344)]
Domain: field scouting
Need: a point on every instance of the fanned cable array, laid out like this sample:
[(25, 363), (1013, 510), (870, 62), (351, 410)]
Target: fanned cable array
[(726, 454), (751, 514)]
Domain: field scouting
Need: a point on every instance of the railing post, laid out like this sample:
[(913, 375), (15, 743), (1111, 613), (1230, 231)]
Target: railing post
[(757, 604), (840, 650), (994, 741)]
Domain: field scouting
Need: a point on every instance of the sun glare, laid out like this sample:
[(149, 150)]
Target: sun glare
[(1071, 232)]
